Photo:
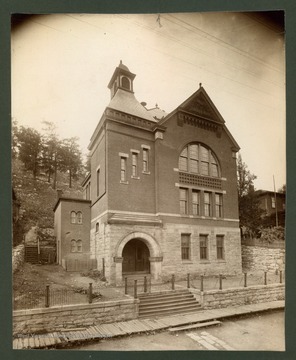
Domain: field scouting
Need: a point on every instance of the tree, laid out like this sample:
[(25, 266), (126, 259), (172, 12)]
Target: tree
[(71, 158), (51, 145), (250, 214), (30, 149), (282, 189), (14, 138)]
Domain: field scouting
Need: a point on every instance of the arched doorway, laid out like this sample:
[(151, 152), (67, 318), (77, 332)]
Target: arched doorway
[(135, 257)]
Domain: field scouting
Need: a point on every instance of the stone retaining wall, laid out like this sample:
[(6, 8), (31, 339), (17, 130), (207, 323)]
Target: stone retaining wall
[(58, 318), (18, 255), (242, 296), (255, 258)]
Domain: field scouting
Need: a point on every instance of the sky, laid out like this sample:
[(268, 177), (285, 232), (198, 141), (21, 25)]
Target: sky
[(62, 64)]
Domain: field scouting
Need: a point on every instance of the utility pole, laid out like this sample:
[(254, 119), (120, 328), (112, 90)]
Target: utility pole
[(276, 213)]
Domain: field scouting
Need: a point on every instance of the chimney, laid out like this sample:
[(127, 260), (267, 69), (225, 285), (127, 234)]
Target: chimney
[(59, 193)]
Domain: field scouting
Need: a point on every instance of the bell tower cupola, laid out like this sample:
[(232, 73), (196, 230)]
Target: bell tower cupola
[(122, 78)]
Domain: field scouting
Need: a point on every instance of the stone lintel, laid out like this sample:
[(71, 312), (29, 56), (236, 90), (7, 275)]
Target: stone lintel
[(155, 258)]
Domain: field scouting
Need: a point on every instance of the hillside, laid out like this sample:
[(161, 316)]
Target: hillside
[(37, 199)]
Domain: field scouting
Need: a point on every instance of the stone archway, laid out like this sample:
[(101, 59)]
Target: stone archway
[(155, 254)]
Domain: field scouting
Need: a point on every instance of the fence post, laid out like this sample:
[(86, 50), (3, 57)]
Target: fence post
[(90, 293), (220, 281), (245, 278), (188, 281), (201, 283), (47, 296), (135, 289), (145, 284), (281, 276), (265, 278), (125, 285), (103, 266), (173, 281)]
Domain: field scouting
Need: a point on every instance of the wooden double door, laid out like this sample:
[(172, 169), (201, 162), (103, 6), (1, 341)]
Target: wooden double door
[(135, 257)]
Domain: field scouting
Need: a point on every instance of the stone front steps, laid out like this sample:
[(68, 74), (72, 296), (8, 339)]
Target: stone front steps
[(167, 303)]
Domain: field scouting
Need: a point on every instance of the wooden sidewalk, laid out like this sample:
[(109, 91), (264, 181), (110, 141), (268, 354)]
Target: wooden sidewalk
[(123, 328)]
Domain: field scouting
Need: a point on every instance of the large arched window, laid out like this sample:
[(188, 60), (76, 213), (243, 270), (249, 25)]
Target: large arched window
[(198, 159)]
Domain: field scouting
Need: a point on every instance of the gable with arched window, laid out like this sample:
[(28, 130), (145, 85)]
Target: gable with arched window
[(197, 159)]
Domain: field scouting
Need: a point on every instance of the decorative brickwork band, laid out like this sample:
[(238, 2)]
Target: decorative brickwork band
[(198, 180)]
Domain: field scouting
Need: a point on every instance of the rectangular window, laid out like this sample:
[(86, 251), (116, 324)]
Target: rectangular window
[(220, 247), (207, 204), (195, 202), (203, 247), (273, 202), (218, 205), (183, 201), (122, 169), (185, 246), (98, 182), (145, 160), (134, 164)]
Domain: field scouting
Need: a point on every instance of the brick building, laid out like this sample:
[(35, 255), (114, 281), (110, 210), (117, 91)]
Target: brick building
[(162, 188), (72, 228)]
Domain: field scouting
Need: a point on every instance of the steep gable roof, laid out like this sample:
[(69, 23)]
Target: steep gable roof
[(126, 102)]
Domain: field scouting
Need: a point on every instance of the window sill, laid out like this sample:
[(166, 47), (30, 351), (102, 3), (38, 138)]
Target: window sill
[(135, 177), (221, 261), (146, 172), (186, 262), (205, 262), (124, 182)]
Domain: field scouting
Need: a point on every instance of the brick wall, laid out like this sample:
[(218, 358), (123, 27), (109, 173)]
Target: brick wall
[(255, 258), (242, 296), (18, 255), (73, 316)]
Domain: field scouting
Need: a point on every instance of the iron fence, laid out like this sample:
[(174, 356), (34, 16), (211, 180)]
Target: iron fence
[(136, 287)]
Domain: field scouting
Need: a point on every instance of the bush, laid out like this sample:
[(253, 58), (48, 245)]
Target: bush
[(94, 274), (270, 235)]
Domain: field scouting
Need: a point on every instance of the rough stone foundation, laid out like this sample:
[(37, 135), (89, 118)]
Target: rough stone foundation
[(73, 316)]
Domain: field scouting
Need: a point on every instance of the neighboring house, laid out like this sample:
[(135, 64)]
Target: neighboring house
[(72, 229), (162, 189), (273, 204)]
